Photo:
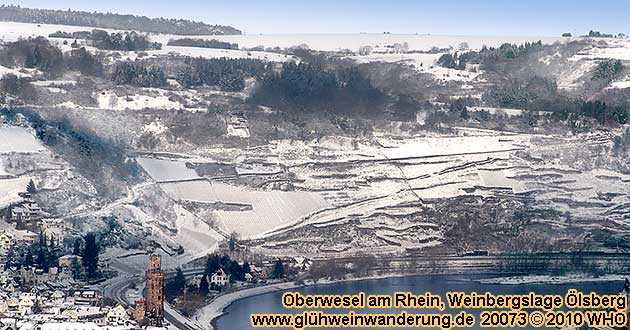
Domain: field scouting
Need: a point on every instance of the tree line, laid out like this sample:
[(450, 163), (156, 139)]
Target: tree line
[(69, 35), (38, 53), (110, 20), (203, 43), (33, 53), (311, 87), (127, 41), (542, 94), (138, 74), (228, 74), (488, 57)]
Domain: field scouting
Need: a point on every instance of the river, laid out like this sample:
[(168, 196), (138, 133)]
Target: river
[(237, 314)]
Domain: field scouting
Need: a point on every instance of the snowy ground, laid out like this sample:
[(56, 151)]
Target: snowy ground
[(18, 139), (416, 59), (195, 235), (269, 209), (109, 100), (335, 42), (10, 31), (167, 170), (9, 189), (615, 49), (212, 53), (20, 73)]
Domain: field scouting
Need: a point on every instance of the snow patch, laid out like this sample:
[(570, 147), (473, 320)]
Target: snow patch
[(109, 100)]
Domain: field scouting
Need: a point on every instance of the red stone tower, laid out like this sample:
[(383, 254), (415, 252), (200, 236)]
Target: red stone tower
[(155, 291)]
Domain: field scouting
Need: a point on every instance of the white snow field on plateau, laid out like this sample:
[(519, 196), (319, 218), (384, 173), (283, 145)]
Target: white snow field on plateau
[(269, 209)]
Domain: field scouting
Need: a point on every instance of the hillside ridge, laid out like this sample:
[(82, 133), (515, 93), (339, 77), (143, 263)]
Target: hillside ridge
[(11, 13)]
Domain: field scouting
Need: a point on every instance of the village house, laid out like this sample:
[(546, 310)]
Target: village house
[(26, 303), (220, 278), (53, 230), (53, 236), (259, 273), (25, 236), (67, 260), (58, 297), (117, 315), (87, 314), (52, 223), (6, 240), (30, 275), (300, 263), (42, 308), (196, 280), (84, 297), (27, 214)]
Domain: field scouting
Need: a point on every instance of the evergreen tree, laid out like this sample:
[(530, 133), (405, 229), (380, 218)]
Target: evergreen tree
[(236, 271), (28, 259), (278, 269), (8, 214), (90, 256), (233, 241), (30, 188), (77, 271), (447, 61), (41, 252), (176, 285), (464, 113), (76, 247), (213, 264), (204, 286), (246, 268)]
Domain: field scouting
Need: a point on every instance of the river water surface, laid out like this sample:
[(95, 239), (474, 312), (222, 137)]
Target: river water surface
[(237, 314)]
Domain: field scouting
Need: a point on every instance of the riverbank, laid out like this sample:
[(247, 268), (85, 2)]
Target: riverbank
[(548, 279), (206, 315)]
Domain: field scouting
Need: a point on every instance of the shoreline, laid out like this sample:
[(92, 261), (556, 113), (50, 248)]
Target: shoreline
[(209, 314)]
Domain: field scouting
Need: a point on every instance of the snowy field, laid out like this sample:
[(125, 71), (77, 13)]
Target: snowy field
[(446, 146), (615, 49), (269, 209), (10, 31), (196, 236), (499, 179), (334, 42), (217, 53), (416, 59), (18, 140), (9, 189), (167, 170), (20, 73), (109, 100)]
